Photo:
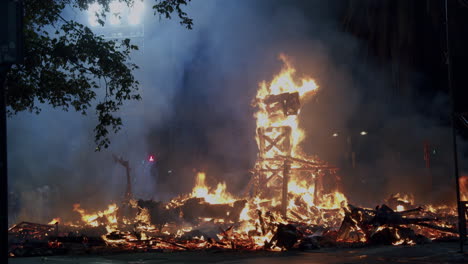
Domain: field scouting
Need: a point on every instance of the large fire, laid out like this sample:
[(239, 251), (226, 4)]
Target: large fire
[(278, 104), (281, 84), (288, 198)]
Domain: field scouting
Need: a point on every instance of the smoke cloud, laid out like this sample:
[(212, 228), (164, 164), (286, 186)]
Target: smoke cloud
[(196, 114)]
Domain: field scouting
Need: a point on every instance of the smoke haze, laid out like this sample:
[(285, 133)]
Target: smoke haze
[(196, 114)]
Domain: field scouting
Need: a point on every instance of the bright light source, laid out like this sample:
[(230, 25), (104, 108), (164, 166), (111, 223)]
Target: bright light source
[(335, 134), (116, 10), (151, 158), (136, 13), (363, 133), (92, 16)]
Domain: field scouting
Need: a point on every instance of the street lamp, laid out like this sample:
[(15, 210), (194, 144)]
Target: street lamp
[(117, 9), (120, 13), (136, 13), (93, 11)]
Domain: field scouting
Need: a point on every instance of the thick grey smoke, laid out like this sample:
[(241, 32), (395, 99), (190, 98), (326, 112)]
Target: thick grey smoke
[(197, 87)]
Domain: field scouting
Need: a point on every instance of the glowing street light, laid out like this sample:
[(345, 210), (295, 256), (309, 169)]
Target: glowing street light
[(119, 12), (116, 9), (136, 13), (363, 133), (93, 10), (335, 134)]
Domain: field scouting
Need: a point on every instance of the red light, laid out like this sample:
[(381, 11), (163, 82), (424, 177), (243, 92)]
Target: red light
[(151, 158)]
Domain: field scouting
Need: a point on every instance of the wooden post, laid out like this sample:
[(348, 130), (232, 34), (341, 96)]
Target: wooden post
[(128, 192), (3, 169), (11, 52), (316, 192), (56, 228), (261, 141), (460, 206), (126, 165), (284, 200), (318, 188)]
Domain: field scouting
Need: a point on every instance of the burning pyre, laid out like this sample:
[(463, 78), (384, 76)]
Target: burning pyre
[(287, 205)]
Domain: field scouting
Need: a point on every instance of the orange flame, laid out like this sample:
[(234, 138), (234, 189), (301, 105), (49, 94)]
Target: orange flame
[(219, 196), (54, 221), (284, 83), (464, 188), (106, 217)]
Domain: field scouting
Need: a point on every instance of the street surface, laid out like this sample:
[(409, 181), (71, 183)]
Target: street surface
[(430, 253)]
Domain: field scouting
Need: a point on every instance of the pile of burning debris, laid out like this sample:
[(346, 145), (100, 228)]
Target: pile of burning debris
[(289, 203), (192, 223)]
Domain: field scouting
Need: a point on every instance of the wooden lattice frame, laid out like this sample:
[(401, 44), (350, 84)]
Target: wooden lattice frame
[(275, 161), (274, 141)]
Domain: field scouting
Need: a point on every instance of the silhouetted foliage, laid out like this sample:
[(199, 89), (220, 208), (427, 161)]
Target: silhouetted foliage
[(66, 62)]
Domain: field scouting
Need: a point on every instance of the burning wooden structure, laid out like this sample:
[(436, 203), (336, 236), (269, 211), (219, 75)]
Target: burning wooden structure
[(276, 162), (288, 207), (280, 160)]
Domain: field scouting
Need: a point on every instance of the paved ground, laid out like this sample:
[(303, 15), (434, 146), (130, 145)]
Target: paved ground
[(432, 253)]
